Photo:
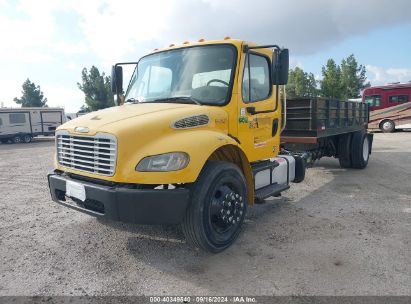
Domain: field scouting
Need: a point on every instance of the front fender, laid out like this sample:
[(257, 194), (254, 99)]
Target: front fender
[(198, 144)]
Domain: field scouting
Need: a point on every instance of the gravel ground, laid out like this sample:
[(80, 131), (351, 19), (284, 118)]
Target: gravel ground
[(341, 232)]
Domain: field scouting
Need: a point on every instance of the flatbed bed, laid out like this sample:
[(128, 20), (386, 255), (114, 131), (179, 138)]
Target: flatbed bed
[(323, 127)]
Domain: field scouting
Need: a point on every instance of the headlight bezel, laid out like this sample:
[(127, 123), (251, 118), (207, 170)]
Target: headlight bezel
[(146, 164)]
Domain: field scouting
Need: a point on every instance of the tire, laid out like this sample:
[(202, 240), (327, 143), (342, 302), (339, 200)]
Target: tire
[(27, 138), (344, 150), (16, 140), (360, 151), (299, 169), (387, 126), (4, 141), (217, 208)]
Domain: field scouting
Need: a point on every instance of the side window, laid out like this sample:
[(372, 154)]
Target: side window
[(377, 100), (256, 82), (398, 98), (17, 118), (1, 122), (373, 101)]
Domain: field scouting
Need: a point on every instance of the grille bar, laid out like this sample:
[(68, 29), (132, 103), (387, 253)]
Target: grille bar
[(71, 155), (71, 160), (95, 154), (84, 151)]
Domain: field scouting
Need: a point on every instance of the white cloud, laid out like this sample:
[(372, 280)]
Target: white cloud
[(381, 76), (70, 98), (28, 32), (113, 31), (60, 96), (70, 48), (117, 28)]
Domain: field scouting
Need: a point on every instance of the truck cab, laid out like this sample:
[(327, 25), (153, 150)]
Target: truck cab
[(194, 140)]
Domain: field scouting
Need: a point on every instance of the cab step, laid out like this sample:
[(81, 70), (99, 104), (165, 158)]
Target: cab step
[(270, 190)]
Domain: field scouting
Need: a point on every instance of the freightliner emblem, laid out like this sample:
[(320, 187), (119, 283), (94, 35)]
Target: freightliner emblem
[(82, 129)]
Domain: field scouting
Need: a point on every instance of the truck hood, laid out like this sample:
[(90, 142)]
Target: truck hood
[(97, 120)]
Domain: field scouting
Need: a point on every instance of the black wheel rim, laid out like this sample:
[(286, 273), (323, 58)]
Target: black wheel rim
[(226, 209)]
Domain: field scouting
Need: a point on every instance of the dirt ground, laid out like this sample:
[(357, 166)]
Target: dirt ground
[(340, 232)]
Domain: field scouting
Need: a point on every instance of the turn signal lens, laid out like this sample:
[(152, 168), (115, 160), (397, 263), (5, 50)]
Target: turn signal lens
[(164, 162)]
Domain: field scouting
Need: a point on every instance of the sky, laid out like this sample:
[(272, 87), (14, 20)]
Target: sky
[(51, 41)]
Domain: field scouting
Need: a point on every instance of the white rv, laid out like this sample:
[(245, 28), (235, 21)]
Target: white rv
[(22, 124)]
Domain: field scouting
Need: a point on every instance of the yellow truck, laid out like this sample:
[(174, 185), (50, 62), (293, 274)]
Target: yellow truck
[(195, 140)]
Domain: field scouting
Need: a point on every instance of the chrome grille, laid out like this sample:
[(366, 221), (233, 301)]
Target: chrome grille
[(191, 122), (95, 154)]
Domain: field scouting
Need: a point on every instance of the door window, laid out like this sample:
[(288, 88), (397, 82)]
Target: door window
[(256, 81)]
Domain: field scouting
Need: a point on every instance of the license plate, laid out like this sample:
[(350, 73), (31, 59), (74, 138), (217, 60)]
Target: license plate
[(75, 190)]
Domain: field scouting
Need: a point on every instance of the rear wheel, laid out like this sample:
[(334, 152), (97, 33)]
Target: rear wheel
[(16, 139), (387, 126), (218, 206), (344, 150), (360, 150), (27, 138)]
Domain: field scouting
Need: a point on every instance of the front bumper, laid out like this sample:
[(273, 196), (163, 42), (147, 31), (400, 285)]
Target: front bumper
[(142, 206)]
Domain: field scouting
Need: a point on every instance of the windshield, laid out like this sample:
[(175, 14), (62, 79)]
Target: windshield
[(201, 74)]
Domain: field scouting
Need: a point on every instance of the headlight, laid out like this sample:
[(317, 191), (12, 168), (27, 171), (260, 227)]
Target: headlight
[(164, 162)]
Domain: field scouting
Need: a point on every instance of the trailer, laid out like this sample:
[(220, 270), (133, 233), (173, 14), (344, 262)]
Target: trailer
[(320, 127), (21, 125)]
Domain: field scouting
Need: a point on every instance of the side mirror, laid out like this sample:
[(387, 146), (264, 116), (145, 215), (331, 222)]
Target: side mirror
[(117, 79), (280, 66)]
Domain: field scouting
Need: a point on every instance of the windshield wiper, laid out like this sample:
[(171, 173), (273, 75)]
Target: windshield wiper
[(182, 98), (132, 100)]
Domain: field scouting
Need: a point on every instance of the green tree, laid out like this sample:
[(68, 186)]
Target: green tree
[(353, 78), (32, 96), (331, 85), (301, 84), (97, 89)]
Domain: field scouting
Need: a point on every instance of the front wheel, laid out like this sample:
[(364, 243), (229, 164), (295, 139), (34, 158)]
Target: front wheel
[(218, 206)]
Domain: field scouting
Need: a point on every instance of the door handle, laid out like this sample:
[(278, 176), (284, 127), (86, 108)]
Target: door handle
[(275, 127)]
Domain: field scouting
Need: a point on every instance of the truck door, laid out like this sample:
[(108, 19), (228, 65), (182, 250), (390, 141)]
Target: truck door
[(259, 133)]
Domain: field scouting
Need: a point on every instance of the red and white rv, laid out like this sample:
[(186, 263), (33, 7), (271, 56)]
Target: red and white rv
[(390, 106)]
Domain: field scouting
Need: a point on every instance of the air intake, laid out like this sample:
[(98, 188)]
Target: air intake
[(191, 122)]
